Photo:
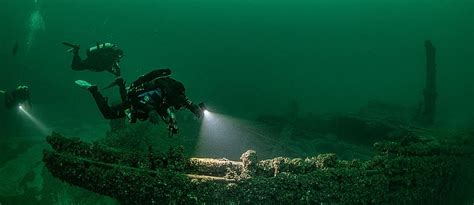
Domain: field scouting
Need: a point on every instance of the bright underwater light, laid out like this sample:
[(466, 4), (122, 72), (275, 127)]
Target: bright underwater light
[(224, 136), (38, 124)]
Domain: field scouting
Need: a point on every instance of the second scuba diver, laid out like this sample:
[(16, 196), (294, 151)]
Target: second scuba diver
[(20, 96), (102, 57), (155, 91)]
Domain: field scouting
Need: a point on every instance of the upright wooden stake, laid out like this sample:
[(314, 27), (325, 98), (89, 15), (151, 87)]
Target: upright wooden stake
[(430, 94)]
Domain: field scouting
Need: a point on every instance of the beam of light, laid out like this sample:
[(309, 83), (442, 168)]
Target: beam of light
[(225, 136), (44, 130)]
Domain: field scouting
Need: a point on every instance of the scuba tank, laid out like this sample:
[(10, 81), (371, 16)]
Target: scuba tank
[(146, 82), (170, 91), (151, 76), (94, 49)]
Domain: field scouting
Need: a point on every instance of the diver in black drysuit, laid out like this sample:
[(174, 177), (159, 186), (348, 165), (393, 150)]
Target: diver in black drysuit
[(103, 57), (19, 96), (155, 91)]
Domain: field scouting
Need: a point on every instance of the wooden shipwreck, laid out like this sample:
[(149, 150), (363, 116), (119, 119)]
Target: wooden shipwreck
[(410, 170)]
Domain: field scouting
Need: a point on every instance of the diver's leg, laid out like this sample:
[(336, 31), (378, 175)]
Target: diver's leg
[(122, 90), (77, 63), (109, 112)]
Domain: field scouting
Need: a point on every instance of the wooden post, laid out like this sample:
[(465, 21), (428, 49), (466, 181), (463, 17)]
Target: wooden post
[(430, 94)]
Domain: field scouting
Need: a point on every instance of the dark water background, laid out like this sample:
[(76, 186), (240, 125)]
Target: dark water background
[(244, 57), (248, 57)]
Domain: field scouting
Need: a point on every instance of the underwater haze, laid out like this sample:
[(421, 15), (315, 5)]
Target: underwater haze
[(243, 58), (250, 56)]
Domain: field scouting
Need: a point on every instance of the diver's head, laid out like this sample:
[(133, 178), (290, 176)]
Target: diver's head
[(177, 99), (174, 92), (23, 88)]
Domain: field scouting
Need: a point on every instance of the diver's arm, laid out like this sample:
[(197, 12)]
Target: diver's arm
[(188, 103), (171, 121), (195, 109), (150, 76), (116, 69)]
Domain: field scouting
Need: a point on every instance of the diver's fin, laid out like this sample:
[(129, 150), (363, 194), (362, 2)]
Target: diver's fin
[(72, 45), (83, 84), (73, 49), (117, 81)]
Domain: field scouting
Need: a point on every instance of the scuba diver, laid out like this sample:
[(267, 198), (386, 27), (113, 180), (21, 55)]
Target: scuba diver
[(153, 92), (102, 57), (18, 97)]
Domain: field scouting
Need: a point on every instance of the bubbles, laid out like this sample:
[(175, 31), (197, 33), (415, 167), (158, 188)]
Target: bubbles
[(35, 25)]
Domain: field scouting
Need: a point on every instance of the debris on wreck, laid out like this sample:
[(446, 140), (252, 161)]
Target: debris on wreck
[(411, 170), (357, 128)]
